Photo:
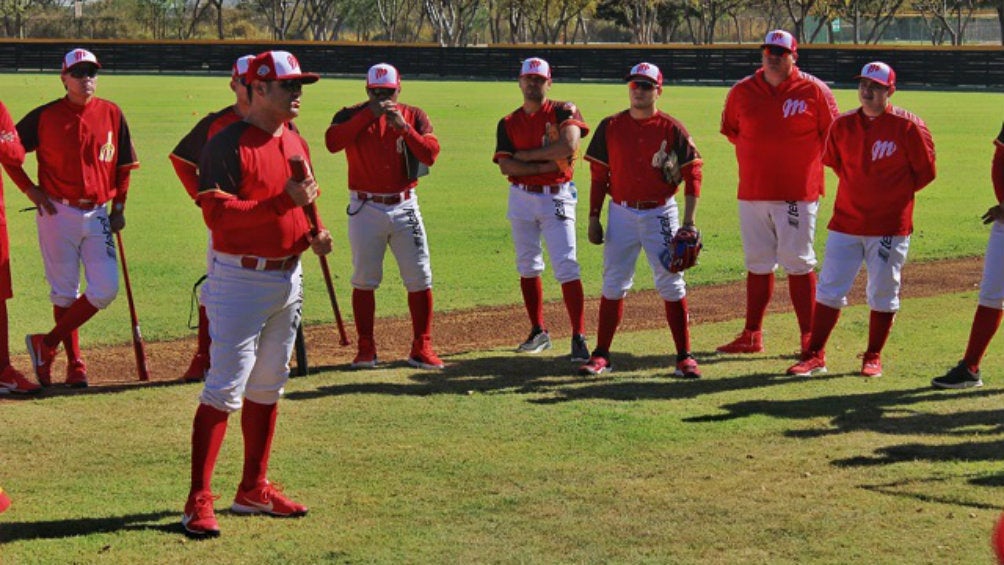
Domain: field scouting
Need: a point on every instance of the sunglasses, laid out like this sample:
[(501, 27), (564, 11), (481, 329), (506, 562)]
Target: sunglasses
[(89, 72), (775, 51), (291, 85), (388, 92), (641, 85)]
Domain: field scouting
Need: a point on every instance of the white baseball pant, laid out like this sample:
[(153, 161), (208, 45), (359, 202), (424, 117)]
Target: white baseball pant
[(628, 232), (373, 227), (72, 237), (992, 284), (552, 216), (883, 258), (778, 233)]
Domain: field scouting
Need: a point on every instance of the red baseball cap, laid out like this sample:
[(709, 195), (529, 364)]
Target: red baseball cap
[(879, 72), (383, 75), (78, 56), (647, 72), (278, 65), (241, 66), (782, 39)]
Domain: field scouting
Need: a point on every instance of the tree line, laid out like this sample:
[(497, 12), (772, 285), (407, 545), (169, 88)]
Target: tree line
[(452, 23)]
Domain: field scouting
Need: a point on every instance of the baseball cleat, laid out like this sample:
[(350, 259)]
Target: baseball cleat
[(4, 501), (813, 362), (959, 377), (538, 341), (366, 358), (76, 374), (266, 498), (12, 381), (580, 349), (41, 357), (749, 341), (197, 369), (597, 364), (426, 359), (686, 366), (199, 519), (871, 365)]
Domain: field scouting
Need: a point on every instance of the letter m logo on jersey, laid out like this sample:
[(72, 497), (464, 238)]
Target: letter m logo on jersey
[(882, 149)]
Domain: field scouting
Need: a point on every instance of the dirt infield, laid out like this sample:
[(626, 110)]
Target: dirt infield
[(489, 328)]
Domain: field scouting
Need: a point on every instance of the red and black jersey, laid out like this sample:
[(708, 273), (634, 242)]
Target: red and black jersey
[(881, 164), (779, 135), (375, 150), (242, 178), (522, 131), (187, 153), (631, 153), (997, 170), (11, 153), (80, 149)]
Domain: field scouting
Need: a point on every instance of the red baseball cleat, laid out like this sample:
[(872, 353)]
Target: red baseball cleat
[(76, 374), (197, 369), (41, 357), (199, 519), (597, 364), (686, 367), (748, 341), (423, 357), (871, 365), (4, 501), (266, 498), (12, 381), (812, 362), (366, 358)]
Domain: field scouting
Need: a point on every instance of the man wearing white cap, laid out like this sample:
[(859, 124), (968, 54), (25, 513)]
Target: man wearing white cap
[(74, 226), (640, 157), (777, 119), (388, 146), (185, 159), (253, 294), (535, 148), (882, 155)]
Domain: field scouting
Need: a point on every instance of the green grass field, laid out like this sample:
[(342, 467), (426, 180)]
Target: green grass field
[(505, 459)]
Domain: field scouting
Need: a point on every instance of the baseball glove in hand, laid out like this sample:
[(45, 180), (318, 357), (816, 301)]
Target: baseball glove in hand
[(669, 164), (683, 250)]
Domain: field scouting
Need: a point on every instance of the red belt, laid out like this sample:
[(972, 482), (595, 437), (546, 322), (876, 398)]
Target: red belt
[(540, 188), (642, 204), (388, 199), (261, 264), (82, 204)]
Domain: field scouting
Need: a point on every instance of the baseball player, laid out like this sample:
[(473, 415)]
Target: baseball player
[(882, 156), (628, 155), (185, 159), (74, 226), (990, 310), (253, 291), (535, 149), (388, 145), (777, 119), (11, 154)]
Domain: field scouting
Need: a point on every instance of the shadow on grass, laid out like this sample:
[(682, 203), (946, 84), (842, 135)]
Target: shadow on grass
[(56, 529)]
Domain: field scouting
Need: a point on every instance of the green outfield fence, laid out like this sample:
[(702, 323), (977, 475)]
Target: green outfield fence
[(934, 67)]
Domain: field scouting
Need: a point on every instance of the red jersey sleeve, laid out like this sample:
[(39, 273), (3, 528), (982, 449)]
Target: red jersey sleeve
[(419, 138), (504, 147), (346, 125), (920, 147), (568, 114), (11, 150)]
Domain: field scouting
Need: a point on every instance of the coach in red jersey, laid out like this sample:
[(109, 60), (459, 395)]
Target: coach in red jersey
[(628, 156), (85, 156), (12, 155), (535, 149), (253, 292), (882, 155), (185, 160), (777, 119), (388, 146)]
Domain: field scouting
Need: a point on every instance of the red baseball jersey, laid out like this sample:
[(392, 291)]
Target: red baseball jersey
[(242, 178), (881, 163), (521, 131), (375, 150), (80, 149), (779, 135), (11, 153), (630, 154), (187, 153), (997, 171)]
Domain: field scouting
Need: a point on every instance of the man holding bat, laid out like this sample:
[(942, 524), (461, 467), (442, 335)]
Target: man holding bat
[(388, 145), (253, 292), (74, 226)]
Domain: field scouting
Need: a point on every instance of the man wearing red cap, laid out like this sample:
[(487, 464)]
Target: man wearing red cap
[(74, 226), (630, 156), (185, 159), (990, 309), (882, 156), (388, 145), (253, 291), (535, 148), (777, 119)]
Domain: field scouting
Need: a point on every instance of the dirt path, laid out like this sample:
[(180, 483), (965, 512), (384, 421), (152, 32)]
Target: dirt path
[(489, 328)]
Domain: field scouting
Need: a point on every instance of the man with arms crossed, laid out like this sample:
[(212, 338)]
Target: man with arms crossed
[(535, 148), (253, 293), (778, 118), (631, 155)]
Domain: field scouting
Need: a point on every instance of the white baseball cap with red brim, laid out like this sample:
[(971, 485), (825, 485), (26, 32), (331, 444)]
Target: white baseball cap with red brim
[(78, 56), (646, 72), (241, 66), (782, 39), (383, 75), (278, 65), (535, 66), (879, 72)]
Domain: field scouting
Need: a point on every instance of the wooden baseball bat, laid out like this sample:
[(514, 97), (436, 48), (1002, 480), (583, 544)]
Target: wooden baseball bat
[(299, 167), (137, 337)]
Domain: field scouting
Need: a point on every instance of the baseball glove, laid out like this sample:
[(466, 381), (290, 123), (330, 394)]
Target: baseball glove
[(669, 164), (683, 250)]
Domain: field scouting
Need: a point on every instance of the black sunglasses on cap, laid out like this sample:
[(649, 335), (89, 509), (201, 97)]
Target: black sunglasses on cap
[(83, 71), (775, 50), (641, 85), (382, 91)]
